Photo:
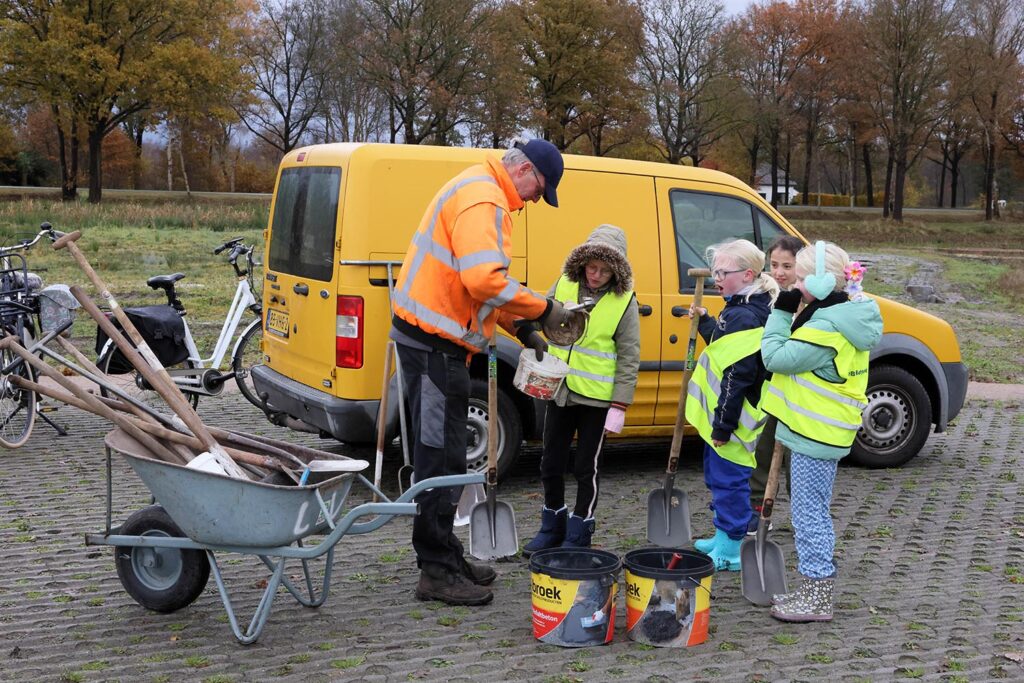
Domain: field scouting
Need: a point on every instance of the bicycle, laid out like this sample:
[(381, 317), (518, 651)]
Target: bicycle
[(20, 316), (197, 376)]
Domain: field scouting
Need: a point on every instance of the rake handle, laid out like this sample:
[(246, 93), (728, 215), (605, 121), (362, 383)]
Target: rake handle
[(691, 350)]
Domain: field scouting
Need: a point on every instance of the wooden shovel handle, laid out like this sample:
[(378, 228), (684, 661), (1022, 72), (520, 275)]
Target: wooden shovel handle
[(772, 486), (167, 390), (691, 349)]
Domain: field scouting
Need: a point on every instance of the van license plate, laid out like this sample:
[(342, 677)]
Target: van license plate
[(277, 322)]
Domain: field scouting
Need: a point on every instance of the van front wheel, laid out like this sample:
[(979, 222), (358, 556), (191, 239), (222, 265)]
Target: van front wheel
[(896, 422), (510, 430)]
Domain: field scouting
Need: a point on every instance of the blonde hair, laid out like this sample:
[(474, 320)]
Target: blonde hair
[(836, 261), (746, 255)]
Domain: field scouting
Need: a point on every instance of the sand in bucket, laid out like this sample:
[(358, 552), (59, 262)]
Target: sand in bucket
[(668, 607), (574, 596), (539, 380)]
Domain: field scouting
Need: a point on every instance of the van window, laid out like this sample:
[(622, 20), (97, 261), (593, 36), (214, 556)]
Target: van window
[(701, 220), (768, 228), (302, 232)]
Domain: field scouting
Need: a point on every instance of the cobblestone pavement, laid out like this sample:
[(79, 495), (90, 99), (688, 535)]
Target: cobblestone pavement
[(931, 580)]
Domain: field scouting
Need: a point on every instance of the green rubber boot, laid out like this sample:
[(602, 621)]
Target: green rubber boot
[(726, 554), (706, 545)]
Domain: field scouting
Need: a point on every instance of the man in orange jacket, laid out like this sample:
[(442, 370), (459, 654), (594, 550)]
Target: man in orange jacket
[(453, 288)]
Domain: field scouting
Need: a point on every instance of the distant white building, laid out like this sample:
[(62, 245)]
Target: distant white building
[(764, 186)]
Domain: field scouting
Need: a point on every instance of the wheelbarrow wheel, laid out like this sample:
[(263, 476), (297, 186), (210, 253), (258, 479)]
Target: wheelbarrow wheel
[(160, 579)]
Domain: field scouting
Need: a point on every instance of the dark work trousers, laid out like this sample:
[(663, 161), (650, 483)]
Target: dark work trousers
[(763, 454), (729, 484), (560, 425), (437, 389)]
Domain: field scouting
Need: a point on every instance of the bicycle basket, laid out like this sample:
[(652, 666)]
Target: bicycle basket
[(161, 327), (56, 307)]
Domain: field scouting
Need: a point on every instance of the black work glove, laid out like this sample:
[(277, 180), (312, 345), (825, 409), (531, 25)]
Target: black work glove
[(789, 301), (531, 339)]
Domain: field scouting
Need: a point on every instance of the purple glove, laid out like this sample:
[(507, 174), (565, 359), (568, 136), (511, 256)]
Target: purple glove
[(615, 419)]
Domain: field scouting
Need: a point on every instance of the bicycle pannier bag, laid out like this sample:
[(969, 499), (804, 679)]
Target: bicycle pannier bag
[(161, 327)]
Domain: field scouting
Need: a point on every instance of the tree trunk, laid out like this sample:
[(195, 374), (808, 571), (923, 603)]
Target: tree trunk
[(96, 163), (899, 183), (869, 187), (942, 174), (184, 171), (887, 195), (808, 161), (753, 152), (990, 175), (954, 178), (789, 161), (775, 167), (137, 162)]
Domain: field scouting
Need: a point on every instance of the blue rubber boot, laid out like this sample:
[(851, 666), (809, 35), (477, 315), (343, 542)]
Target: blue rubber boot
[(726, 554), (706, 545), (578, 532), (551, 534)]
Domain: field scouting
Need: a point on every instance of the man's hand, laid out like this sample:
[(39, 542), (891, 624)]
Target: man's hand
[(789, 300), (531, 339)]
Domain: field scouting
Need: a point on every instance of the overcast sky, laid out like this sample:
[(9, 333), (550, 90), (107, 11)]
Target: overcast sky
[(733, 7)]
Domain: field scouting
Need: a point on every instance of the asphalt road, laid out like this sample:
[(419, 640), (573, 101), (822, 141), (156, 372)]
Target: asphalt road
[(931, 587)]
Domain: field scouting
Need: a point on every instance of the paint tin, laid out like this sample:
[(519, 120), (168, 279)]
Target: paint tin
[(668, 607), (574, 593)]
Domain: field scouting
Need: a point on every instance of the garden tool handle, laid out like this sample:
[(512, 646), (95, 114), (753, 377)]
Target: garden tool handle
[(691, 349), (675, 560), (492, 412), (773, 481)]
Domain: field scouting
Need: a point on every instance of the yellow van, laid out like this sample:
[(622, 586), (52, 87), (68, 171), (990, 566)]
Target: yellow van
[(342, 216)]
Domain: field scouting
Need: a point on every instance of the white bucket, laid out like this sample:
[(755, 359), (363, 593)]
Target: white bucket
[(539, 380)]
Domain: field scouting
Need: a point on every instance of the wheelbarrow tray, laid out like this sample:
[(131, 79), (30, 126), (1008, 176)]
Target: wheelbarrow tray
[(220, 511)]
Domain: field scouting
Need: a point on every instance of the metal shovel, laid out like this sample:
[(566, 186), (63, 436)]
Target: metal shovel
[(762, 565), (492, 525), (668, 508)]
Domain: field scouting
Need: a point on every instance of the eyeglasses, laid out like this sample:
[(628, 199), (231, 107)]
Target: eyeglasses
[(540, 181), (720, 274)]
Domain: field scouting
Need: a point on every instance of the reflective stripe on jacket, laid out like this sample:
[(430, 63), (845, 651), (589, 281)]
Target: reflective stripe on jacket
[(823, 411), (705, 388), (592, 359), (455, 273)]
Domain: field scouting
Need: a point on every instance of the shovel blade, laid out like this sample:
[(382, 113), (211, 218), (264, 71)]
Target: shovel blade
[(668, 519), (762, 570), (492, 531), (471, 495)]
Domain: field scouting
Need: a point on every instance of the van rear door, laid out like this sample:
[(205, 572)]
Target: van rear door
[(299, 296)]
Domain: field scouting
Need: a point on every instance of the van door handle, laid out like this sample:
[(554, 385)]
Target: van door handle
[(645, 310), (680, 311), (301, 289)]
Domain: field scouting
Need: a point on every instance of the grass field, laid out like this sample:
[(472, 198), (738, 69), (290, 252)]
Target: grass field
[(128, 241)]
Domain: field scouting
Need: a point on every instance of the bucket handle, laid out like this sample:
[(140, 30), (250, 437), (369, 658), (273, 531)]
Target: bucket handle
[(698, 584)]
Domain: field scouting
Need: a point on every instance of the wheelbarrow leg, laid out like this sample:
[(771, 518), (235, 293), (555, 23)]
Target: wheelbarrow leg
[(262, 614), (312, 600)]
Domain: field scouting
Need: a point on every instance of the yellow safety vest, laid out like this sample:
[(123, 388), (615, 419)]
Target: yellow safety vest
[(592, 359), (706, 385), (815, 408)]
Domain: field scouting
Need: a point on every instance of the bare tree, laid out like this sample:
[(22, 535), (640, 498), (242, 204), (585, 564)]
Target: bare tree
[(284, 57), (905, 68), (680, 67), (993, 43), (422, 55)]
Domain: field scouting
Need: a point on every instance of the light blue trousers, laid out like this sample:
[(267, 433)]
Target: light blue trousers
[(810, 501)]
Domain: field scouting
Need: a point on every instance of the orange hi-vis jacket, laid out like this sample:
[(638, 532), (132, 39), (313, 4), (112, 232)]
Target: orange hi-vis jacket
[(454, 281)]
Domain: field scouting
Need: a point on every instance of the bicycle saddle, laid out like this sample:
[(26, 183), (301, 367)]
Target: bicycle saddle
[(164, 281)]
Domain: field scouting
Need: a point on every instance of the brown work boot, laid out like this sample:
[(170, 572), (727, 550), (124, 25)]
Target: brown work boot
[(480, 574), (450, 587)]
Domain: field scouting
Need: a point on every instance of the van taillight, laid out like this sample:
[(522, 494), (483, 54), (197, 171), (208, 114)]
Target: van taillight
[(348, 339)]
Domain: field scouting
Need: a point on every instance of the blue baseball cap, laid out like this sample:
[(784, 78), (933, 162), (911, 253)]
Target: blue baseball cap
[(546, 158)]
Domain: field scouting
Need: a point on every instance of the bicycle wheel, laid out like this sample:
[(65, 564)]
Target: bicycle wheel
[(134, 385), (17, 406), (248, 353)]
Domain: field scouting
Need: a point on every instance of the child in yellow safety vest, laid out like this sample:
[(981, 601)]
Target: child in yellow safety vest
[(603, 368), (817, 392), (725, 390)]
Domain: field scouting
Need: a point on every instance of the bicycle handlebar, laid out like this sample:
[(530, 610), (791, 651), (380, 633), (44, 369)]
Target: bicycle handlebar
[(229, 243), (45, 229)]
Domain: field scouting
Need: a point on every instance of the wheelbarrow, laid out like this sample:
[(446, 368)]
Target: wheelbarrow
[(164, 553)]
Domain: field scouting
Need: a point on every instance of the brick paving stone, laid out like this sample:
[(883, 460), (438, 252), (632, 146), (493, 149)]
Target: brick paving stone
[(931, 587)]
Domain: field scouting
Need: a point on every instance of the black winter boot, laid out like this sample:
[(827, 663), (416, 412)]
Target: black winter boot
[(551, 534), (578, 532)]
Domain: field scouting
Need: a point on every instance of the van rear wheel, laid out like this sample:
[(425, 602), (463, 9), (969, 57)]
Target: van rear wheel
[(895, 425), (510, 430)]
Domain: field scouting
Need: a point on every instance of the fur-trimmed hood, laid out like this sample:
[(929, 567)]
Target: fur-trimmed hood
[(607, 243)]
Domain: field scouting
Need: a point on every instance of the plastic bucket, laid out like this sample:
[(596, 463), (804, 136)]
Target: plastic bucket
[(668, 607), (574, 596), (539, 380)]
